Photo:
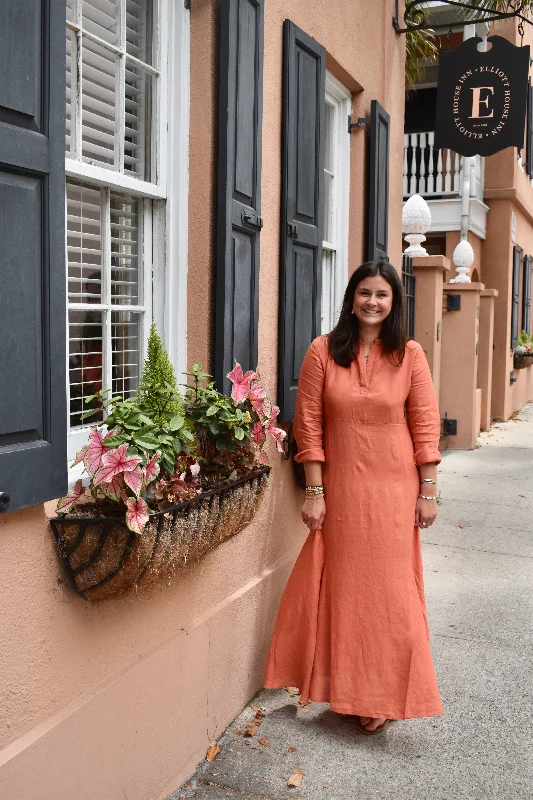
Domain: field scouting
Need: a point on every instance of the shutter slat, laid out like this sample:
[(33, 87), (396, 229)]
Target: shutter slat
[(304, 74), (239, 186)]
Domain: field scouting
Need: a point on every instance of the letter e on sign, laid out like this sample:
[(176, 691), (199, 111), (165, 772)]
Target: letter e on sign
[(478, 101)]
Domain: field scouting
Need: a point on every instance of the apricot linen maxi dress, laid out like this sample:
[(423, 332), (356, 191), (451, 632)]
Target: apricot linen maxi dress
[(352, 629)]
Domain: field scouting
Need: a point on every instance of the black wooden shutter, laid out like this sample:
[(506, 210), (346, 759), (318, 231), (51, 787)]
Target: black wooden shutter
[(33, 423), (516, 296), (526, 296), (239, 186), (378, 184), (529, 131), (304, 76)]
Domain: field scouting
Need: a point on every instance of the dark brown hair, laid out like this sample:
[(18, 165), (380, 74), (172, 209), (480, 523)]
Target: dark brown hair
[(343, 341)]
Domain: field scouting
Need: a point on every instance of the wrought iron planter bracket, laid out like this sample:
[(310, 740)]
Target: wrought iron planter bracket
[(416, 18)]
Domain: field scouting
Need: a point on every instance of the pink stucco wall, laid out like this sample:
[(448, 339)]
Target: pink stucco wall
[(120, 700)]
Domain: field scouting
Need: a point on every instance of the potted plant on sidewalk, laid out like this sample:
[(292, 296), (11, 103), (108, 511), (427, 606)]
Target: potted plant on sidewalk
[(523, 352), (167, 477)]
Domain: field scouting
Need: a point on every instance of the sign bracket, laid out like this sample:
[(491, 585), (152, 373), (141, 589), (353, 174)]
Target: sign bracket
[(416, 16)]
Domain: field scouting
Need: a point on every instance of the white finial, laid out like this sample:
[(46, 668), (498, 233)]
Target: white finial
[(463, 258), (416, 219)]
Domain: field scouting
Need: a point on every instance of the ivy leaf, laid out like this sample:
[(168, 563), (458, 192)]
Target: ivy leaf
[(239, 434)]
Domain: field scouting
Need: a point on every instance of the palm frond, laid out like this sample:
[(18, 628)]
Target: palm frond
[(420, 46)]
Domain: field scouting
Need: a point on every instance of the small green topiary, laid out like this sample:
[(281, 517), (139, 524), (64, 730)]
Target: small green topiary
[(158, 381)]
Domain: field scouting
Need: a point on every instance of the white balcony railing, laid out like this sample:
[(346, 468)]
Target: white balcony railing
[(433, 172)]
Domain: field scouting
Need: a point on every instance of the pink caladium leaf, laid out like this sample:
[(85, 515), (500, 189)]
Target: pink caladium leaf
[(134, 479), (256, 397), (263, 459), (151, 470), (241, 383), (136, 514), (258, 433), (115, 461), (94, 453), (195, 469), (109, 434), (80, 456), (65, 504), (114, 488), (277, 433)]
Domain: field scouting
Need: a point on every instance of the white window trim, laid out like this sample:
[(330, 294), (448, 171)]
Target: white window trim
[(341, 98), (169, 229)]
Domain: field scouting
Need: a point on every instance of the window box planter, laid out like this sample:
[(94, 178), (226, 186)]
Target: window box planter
[(522, 360), (103, 558)]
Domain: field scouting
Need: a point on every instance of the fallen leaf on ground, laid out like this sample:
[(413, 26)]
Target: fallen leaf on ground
[(237, 730), (299, 771), (293, 690), (250, 732), (522, 495), (295, 779), (460, 526), (260, 712), (254, 723), (291, 750), (264, 741), (213, 752)]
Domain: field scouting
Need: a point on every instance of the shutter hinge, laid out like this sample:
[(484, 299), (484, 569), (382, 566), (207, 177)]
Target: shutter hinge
[(292, 230), (359, 124)]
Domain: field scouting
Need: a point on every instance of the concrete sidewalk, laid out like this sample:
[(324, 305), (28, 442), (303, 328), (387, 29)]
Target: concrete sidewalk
[(479, 585)]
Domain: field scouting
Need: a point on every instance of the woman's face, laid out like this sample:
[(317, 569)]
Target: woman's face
[(372, 301)]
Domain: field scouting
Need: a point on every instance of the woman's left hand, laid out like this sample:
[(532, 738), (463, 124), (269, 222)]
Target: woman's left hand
[(425, 513)]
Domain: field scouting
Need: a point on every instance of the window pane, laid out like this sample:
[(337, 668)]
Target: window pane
[(100, 17), (98, 104), (139, 27), (85, 363), (329, 174), (138, 116), (125, 352), (71, 50), (124, 250), (330, 138), (84, 244)]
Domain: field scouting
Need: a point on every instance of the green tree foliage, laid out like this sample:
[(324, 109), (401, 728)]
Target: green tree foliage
[(158, 387)]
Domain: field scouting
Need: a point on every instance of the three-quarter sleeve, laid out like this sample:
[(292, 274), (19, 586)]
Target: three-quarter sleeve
[(423, 415), (309, 414)]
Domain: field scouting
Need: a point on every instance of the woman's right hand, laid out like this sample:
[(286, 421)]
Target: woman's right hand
[(314, 512)]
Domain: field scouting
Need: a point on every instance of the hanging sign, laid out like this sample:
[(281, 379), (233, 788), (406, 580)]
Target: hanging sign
[(481, 97)]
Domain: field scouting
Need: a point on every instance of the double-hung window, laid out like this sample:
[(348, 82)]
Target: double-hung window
[(336, 201), (122, 203)]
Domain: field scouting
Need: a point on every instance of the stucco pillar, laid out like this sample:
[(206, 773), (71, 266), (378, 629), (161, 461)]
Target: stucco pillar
[(430, 273), (486, 339), (458, 396)]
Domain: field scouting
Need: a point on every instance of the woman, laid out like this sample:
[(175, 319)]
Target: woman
[(352, 629)]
